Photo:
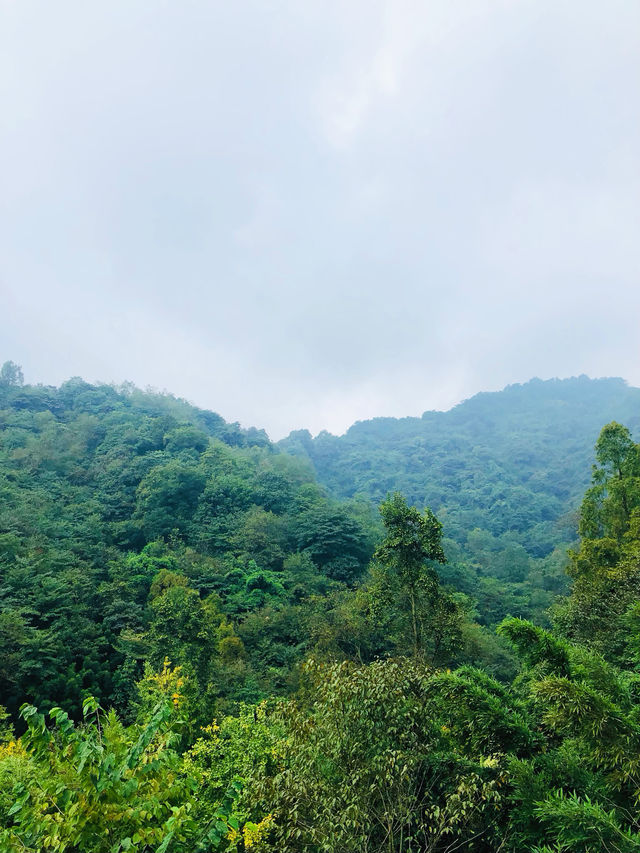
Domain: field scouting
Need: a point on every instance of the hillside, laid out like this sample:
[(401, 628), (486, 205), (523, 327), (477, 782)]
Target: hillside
[(509, 461), (115, 502), (388, 737), (197, 652), (504, 471), (105, 491)]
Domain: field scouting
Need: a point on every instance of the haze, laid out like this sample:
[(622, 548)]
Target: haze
[(303, 214)]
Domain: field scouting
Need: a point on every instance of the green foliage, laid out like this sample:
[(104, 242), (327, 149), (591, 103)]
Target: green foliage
[(180, 570), (231, 755), (587, 791), (372, 765), (579, 825), (606, 566), (167, 498), (103, 491), (335, 542), (608, 505), (536, 646), (100, 786), (412, 538), (504, 472), (405, 592)]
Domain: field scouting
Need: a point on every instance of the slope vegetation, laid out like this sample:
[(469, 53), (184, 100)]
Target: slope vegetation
[(503, 471)]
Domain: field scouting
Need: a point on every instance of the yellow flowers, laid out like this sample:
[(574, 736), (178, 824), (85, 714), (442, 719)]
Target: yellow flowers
[(169, 682), (252, 833), (234, 835), (13, 747)]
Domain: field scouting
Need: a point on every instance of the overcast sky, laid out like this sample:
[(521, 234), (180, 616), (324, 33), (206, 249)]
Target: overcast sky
[(301, 214)]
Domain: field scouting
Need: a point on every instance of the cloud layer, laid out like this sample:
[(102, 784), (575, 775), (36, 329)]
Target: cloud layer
[(302, 214)]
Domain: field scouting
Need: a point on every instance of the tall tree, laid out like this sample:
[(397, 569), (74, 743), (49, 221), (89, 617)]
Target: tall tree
[(606, 567), (405, 579), (11, 374), (608, 505)]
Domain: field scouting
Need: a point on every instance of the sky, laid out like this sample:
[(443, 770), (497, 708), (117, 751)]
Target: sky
[(303, 214)]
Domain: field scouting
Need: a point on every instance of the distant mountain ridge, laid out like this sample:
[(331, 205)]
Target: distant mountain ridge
[(510, 462)]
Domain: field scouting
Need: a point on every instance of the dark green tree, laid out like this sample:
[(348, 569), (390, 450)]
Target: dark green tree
[(607, 506), (405, 586), (606, 566)]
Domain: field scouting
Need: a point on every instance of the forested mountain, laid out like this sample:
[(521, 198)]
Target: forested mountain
[(132, 522), (128, 568), (134, 526), (504, 471)]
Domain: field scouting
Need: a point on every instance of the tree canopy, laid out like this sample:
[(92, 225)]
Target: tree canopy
[(202, 650)]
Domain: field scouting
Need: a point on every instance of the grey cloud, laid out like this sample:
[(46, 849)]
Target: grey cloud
[(301, 214)]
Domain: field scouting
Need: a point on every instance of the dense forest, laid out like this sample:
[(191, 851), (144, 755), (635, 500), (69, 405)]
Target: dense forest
[(504, 471), (213, 643)]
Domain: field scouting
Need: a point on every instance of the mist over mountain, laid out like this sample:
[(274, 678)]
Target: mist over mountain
[(513, 461), (504, 472)]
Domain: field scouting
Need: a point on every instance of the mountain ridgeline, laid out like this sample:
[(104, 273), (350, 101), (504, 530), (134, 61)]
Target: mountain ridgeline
[(513, 461), (504, 471)]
